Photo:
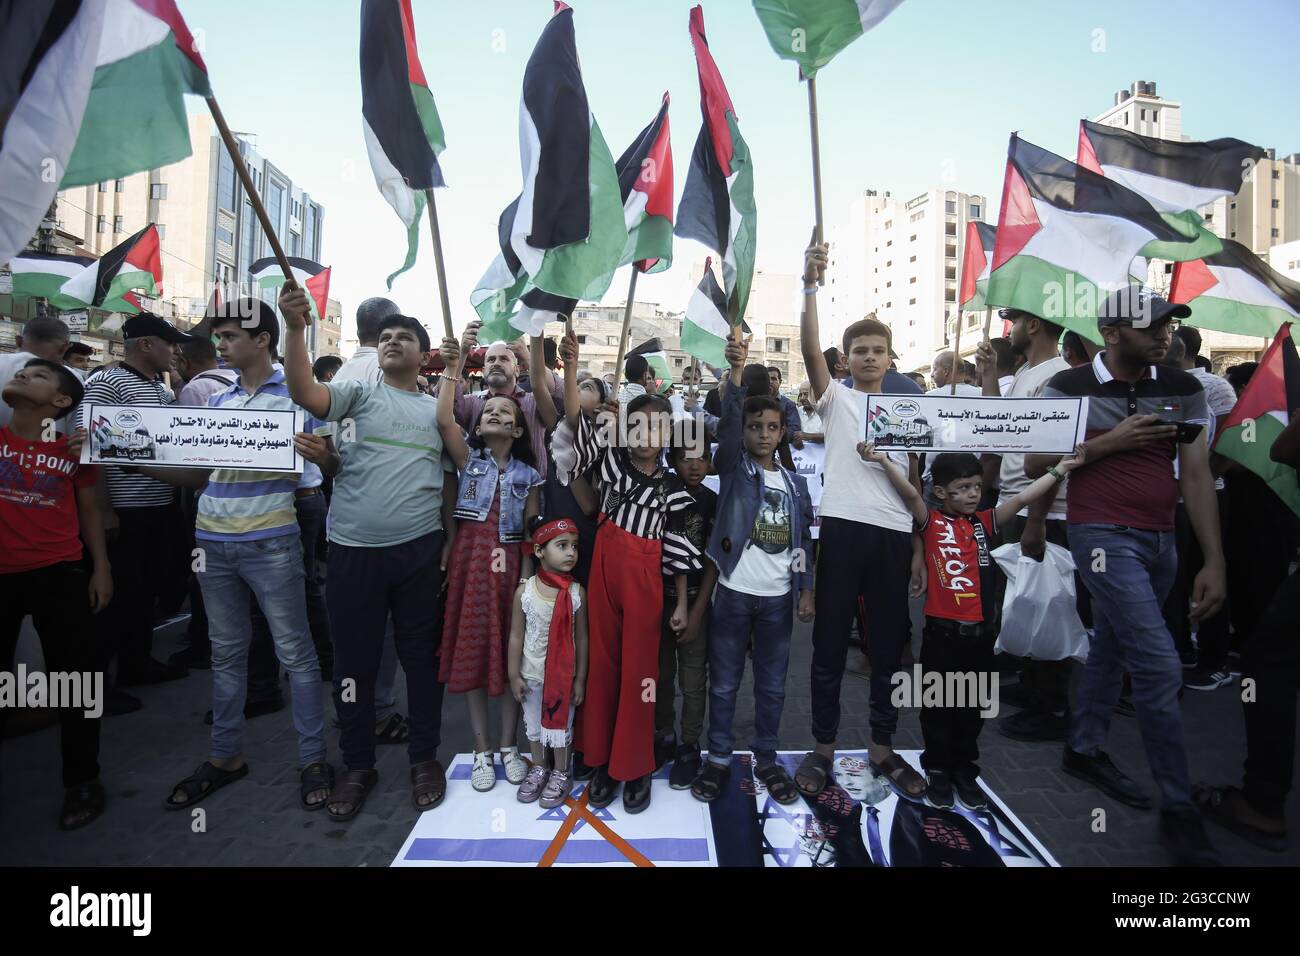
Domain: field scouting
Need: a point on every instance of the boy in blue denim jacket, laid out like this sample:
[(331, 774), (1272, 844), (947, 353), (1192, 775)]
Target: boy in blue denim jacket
[(762, 547)]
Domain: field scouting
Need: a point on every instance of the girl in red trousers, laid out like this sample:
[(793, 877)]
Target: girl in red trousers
[(640, 537)]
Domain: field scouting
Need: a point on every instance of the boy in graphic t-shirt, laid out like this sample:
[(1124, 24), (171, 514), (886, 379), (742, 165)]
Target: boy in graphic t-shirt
[(959, 604)]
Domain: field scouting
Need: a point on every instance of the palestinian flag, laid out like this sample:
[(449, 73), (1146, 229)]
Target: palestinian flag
[(135, 117), (135, 264), (717, 207), (563, 237), (1065, 238), (976, 263), (312, 276), (645, 180), (1261, 414), (653, 352), (45, 77), (812, 32), (401, 125), (1235, 291), (42, 274), (705, 328)]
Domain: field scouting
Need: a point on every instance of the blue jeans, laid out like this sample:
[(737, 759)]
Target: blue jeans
[(272, 569), (1128, 592), (736, 619)]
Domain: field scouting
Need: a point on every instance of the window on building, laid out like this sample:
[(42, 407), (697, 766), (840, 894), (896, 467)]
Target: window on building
[(1126, 117), (776, 345), (1155, 115), (679, 362), (295, 244), (889, 243), (1276, 174), (119, 185), (246, 229), (975, 210), (1274, 203), (1142, 114), (1234, 235), (950, 295), (950, 207), (103, 187), (611, 340), (913, 259), (889, 224), (117, 224), (888, 263), (888, 304), (158, 191), (950, 252), (101, 224), (275, 205), (911, 302), (162, 230), (913, 238), (582, 340), (889, 285), (912, 281), (225, 181), (1273, 233), (950, 229)]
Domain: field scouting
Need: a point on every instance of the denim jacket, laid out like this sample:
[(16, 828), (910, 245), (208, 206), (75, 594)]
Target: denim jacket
[(740, 495), (478, 485)]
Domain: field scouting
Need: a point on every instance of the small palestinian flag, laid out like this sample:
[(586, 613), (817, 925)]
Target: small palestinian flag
[(812, 32), (976, 263), (1066, 237), (645, 179), (705, 328), (135, 264), (45, 75), (717, 207), (562, 238), (42, 274), (1260, 415), (653, 352), (312, 276), (135, 117), (400, 121), (1235, 291)]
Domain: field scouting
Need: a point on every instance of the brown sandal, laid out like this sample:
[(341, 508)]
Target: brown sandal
[(907, 777), (817, 767), (351, 790), (428, 780)]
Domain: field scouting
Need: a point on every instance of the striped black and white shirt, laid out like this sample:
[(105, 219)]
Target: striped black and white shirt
[(648, 506), (123, 385)]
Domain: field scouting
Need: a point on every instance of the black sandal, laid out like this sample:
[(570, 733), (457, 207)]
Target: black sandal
[(708, 784), (817, 767), (394, 730), (82, 804), (428, 779), (355, 785), (894, 764), (202, 783), (778, 783), (315, 777)]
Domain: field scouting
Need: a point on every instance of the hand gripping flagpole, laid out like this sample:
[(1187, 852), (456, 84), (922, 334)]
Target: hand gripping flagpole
[(438, 263)]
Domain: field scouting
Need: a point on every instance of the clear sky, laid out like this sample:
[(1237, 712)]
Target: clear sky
[(925, 100)]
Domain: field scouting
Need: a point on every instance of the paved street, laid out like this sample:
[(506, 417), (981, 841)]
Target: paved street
[(257, 821)]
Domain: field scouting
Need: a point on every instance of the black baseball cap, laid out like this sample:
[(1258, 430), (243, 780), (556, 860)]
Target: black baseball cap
[(146, 323), (1138, 307)]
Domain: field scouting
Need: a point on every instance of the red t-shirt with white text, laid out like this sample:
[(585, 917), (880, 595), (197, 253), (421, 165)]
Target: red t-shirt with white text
[(958, 565), (38, 502)]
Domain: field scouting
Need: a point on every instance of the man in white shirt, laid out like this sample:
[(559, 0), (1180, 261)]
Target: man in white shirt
[(364, 364)]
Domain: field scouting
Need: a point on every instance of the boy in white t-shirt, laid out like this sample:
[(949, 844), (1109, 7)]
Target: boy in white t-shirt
[(866, 548)]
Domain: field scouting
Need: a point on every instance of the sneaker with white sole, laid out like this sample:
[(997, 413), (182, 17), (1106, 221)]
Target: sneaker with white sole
[(533, 785), (558, 787), (484, 775), (1206, 680), (516, 766)]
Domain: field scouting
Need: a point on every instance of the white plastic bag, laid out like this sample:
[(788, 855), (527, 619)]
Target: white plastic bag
[(1039, 618)]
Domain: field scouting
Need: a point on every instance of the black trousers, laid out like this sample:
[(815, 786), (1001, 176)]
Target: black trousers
[(951, 732), (364, 586), (57, 599), (1271, 657), (141, 555), (1260, 539), (1212, 638), (263, 665), (859, 559)]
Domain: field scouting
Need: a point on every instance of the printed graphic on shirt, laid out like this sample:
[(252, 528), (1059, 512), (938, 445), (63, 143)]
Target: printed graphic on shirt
[(33, 479), (956, 549), (772, 524)]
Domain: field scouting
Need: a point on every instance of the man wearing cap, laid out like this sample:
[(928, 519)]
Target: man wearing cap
[(1120, 512), (147, 512)]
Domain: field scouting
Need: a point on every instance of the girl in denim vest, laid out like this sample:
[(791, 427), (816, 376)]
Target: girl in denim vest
[(499, 492)]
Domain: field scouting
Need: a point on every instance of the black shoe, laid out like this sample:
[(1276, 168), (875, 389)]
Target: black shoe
[(665, 750), (939, 792), (685, 767), (1034, 725), (188, 657), (969, 793), (1188, 658), (1125, 706), (602, 789), (581, 769), (1183, 834), (636, 794), (151, 672), (1101, 772), (117, 703)]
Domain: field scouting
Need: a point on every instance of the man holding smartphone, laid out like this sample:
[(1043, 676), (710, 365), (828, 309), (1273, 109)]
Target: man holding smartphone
[(1120, 512)]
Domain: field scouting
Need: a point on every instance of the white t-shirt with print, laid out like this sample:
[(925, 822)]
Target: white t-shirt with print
[(853, 489), (764, 566)]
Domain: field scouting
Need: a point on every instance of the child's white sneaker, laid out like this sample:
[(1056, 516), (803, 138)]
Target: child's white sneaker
[(516, 766), (484, 776)]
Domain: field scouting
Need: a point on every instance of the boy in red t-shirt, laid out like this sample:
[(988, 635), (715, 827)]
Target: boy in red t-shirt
[(46, 500), (957, 539)]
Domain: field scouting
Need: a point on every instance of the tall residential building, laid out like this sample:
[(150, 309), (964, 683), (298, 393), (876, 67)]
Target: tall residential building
[(329, 337), (597, 326), (902, 261)]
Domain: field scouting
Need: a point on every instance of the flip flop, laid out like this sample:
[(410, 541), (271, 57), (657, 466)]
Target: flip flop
[(193, 786), (894, 764)]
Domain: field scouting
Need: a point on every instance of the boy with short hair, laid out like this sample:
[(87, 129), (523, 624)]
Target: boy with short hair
[(959, 604), (46, 501), (762, 547)]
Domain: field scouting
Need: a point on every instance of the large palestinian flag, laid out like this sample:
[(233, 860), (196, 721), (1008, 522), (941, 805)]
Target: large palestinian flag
[(705, 327), (135, 117), (312, 276), (46, 69), (976, 264), (812, 32), (645, 181), (1066, 237), (563, 237), (135, 264), (717, 207), (1261, 414), (1235, 291), (399, 119), (42, 274)]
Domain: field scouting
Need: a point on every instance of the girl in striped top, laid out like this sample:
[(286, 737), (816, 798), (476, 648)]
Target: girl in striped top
[(640, 538)]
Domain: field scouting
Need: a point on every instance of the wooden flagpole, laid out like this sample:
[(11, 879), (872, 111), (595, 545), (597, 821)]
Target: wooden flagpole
[(988, 320), (622, 339), (816, 162), (956, 355), (437, 261)]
